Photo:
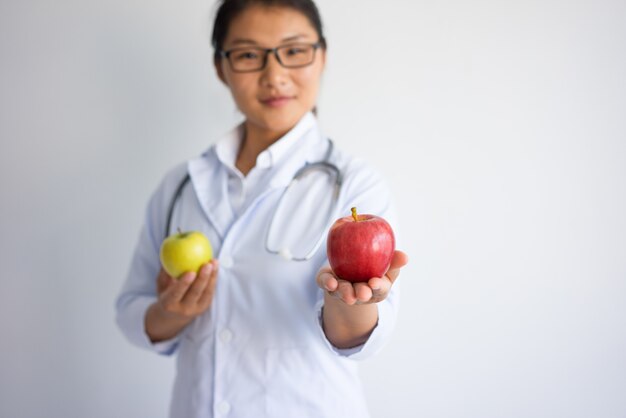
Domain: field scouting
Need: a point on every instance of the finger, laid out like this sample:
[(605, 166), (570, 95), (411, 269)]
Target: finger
[(209, 291), (398, 261), (363, 292), (345, 291), (176, 291), (197, 287), (326, 280), (380, 287)]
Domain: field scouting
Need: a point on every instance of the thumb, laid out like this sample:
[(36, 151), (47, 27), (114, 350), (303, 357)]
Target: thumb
[(399, 260)]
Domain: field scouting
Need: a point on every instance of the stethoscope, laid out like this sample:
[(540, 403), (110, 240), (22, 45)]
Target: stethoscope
[(325, 166)]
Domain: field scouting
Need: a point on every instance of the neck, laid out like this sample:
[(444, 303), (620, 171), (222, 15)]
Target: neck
[(255, 141)]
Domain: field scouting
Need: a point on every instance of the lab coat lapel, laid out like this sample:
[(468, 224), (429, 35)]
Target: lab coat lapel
[(282, 173), (209, 179), (287, 168)]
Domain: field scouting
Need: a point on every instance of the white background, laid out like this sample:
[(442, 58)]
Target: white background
[(501, 126)]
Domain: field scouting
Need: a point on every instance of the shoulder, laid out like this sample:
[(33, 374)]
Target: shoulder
[(358, 174), (365, 187), (169, 182), (180, 172)]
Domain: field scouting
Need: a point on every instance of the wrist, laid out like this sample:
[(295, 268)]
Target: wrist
[(175, 318), (161, 325), (347, 326)]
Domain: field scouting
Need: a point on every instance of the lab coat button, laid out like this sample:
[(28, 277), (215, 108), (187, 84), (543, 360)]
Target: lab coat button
[(223, 408), (226, 262), (226, 335)]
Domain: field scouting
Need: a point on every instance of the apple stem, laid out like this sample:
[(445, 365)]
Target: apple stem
[(354, 215)]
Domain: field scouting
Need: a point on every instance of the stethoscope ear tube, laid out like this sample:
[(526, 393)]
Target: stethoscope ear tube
[(170, 211)]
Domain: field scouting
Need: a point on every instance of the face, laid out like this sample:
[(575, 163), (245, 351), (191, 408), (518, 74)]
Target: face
[(256, 93)]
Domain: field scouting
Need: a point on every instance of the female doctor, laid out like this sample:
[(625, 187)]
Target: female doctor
[(258, 335)]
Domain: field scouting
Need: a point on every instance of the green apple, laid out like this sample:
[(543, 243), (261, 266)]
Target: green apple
[(185, 251)]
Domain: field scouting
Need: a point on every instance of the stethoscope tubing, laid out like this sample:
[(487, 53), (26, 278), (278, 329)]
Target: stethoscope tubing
[(324, 164)]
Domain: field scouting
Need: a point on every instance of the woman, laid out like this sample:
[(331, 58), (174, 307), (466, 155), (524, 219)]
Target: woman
[(257, 335)]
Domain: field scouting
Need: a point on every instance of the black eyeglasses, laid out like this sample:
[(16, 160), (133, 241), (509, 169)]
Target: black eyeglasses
[(251, 58)]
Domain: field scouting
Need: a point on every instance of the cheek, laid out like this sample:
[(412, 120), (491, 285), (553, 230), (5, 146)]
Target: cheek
[(243, 88), (308, 81)]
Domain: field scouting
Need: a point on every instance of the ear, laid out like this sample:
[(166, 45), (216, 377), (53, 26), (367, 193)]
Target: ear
[(218, 62)]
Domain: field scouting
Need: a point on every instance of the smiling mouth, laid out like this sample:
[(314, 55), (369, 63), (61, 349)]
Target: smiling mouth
[(277, 101)]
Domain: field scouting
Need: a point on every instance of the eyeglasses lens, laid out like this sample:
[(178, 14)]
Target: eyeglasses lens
[(253, 59)]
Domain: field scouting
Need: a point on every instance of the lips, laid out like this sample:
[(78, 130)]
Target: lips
[(277, 101)]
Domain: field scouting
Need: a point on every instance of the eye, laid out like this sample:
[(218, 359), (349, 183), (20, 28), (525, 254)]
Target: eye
[(296, 50), (245, 55)]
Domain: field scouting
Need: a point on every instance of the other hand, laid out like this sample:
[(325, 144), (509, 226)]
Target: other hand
[(189, 295)]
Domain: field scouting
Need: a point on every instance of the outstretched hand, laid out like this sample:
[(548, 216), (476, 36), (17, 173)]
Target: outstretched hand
[(374, 290)]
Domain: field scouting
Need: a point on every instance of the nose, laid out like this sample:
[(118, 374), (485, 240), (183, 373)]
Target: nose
[(274, 74)]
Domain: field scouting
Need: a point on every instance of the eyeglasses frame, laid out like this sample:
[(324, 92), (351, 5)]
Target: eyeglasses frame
[(266, 52)]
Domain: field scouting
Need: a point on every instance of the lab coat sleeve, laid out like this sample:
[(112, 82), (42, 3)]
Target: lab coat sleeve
[(139, 290), (366, 190)]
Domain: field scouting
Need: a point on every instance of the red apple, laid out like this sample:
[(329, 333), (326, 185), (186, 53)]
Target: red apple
[(360, 247)]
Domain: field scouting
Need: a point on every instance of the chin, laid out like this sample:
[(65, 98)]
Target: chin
[(278, 120)]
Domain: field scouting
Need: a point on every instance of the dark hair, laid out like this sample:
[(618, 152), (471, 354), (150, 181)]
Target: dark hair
[(229, 9)]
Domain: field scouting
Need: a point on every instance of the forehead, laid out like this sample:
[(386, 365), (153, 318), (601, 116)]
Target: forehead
[(269, 26)]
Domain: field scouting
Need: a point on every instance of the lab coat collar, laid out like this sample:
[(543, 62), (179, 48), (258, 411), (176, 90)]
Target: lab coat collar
[(280, 148), (311, 147), (209, 175), (228, 146)]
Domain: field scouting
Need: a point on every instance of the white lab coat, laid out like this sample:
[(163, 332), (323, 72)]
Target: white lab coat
[(259, 351)]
